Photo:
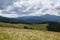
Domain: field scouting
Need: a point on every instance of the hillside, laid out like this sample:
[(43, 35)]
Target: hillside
[(46, 26), (25, 34), (20, 31)]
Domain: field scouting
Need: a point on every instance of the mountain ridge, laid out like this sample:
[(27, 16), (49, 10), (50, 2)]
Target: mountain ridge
[(32, 19)]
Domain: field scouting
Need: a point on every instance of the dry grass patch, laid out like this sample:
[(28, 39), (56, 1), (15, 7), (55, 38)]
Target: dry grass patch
[(25, 34)]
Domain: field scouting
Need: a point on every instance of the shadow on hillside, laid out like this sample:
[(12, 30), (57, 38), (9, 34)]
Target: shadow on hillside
[(53, 27)]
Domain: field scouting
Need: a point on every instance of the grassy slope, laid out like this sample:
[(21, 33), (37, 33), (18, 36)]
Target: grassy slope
[(9, 31), (25, 34), (28, 26), (51, 26)]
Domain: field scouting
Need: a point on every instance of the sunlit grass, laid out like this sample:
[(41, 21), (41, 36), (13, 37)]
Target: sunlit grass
[(25, 34)]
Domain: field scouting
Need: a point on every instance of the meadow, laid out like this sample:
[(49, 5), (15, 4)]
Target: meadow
[(25, 26), (27, 34), (21, 31)]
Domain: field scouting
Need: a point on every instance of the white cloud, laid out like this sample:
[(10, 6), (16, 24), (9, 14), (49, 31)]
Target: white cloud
[(20, 8), (9, 15)]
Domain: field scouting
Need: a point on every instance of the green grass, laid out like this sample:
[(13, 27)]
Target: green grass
[(25, 34), (28, 26), (51, 26), (10, 31)]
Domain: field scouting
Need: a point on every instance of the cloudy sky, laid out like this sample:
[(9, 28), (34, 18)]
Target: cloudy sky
[(20, 8)]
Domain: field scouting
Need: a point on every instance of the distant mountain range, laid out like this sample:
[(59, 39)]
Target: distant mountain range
[(32, 19)]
